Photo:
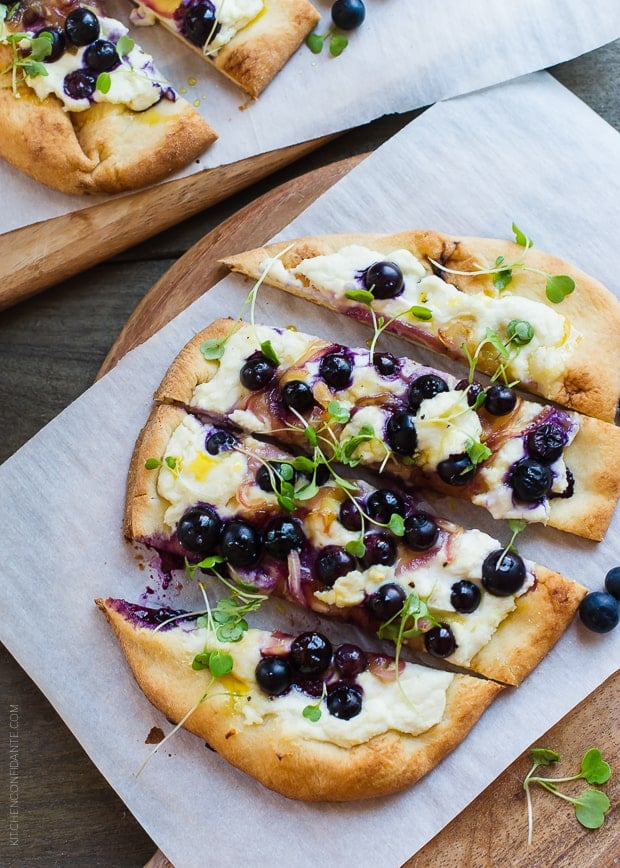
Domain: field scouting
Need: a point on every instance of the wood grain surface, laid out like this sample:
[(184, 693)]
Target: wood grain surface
[(492, 831)]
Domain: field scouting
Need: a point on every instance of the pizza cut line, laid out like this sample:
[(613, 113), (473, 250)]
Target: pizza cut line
[(559, 326)]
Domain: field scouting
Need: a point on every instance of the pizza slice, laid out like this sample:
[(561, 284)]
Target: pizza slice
[(509, 308), (516, 458), (306, 719), (249, 512), (249, 41), (82, 108)]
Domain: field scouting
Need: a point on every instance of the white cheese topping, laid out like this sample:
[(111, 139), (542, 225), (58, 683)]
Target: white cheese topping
[(232, 16), (445, 425)]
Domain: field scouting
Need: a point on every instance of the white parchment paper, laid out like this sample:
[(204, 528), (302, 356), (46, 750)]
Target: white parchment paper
[(408, 53), (550, 166)]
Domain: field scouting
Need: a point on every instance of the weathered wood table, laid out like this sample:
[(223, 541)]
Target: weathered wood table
[(51, 349)]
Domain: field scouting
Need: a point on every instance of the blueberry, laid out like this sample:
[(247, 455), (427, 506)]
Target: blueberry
[(380, 549), (336, 369), (281, 536), (57, 45), (257, 372), (401, 434), (198, 529), (465, 596), (473, 390), (500, 400), (219, 441), (274, 675), (200, 24), (271, 475), (240, 544), (546, 442), (349, 515), (383, 503), (599, 611), (350, 660), (530, 480), (456, 469), (101, 56), (387, 601), (348, 14), (344, 700), (311, 653), (440, 641), (612, 582), (421, 531), (82, 26), (382, 279), (425, 387), (386, 364), (79, 84), (297, 395), (331, 563), (505, 577)]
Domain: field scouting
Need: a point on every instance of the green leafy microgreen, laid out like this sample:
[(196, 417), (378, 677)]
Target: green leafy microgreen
[(104, 82), (477, 452), (269, 352), (521, 238), (304, 465), (32, 68), (310, 435), (312, 712), (520, 331), (420, 312), (361, 295), (337, 44), (502, 279), (590, 805), (307, 492), (558, 287), (172, 462), (220, 663), (338, 412), (213, 348), (491, 337), (201, 661), (205, 564), (406, 623), (315, 41), (41, 46), (125, 45), (152, 463), (396, 524), (356, 547)]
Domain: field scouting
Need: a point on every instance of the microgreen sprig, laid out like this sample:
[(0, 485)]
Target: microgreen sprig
[(313, 711), (336, 41)]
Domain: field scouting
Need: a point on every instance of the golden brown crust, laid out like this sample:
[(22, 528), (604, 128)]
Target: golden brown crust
[(296, 768), (105, 149), (591, 381)]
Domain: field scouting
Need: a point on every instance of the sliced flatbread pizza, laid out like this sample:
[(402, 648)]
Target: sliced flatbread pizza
[(290, 527), (544, 322), (306, 719), (516, 458)]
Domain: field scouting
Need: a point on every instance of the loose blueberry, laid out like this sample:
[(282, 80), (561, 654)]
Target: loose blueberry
[(599, 611), (387, 601), (331, 563), (546, 442), (101, 56), (500, 400), (380, 549), (350, 660), (82, 26), (349, 515), (530, 480), (200, 24), (297, 395), (474, 390), (198, 529), (456, 469), (612, 582), (344, 700), (281, 536), (240, 544), (336, 369), (274, 675), (383, 503), (219, 441), (311, 653), (79, 84), (401, 434), (257, 372), (421, 531), (386, 364), (270, 476), (465, 596), (383, 279), (425, 387), (57, 45), (505, 577), (440, 641)]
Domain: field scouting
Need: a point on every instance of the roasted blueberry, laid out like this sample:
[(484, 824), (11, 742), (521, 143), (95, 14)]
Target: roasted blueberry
[(297, 395), (271, 475), (79, 84), (350, 660), (57, 43), (380, 549), (503, 577), (387, 601), (311, 653), (465, 596), (349, 515), (219, 441), (421, 531), (101, 56), (546, 442), (456, 469), (599, 611), (474, 390), (425, 387), (281, 536), (257, 372), (274, 675), (344, 700), (530, 480), (386, 364), (612, 582), (200, 24), (336, 369), (82, 26), (198, 529), (401, 434), (500, 400), (384, 503), (440, 641), (331, 563), (240, 544), (383, 279)]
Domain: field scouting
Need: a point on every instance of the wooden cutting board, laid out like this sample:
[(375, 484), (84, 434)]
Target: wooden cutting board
[(492, 830)]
